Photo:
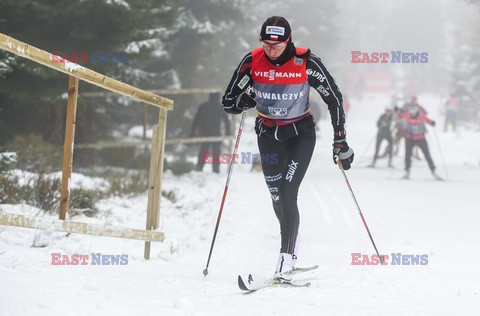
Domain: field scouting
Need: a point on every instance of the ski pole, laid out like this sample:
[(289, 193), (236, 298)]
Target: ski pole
[(367, 148), (339, 163), (230, 169), (440, 150)]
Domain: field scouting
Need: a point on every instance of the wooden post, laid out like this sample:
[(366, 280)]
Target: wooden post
[(145, 113), (68, 145), (155, 176)]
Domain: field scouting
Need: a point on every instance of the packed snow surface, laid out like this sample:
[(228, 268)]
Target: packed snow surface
[(412, 217)]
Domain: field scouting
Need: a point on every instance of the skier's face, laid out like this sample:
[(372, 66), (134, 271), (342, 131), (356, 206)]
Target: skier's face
[(273, 49)]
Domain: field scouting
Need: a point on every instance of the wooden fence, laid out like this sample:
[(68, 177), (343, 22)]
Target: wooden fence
[(76, 73)]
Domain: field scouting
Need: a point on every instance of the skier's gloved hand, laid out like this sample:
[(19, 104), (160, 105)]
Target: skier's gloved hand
[(231, 108), (432, 122), (247, 101), (343, 152)]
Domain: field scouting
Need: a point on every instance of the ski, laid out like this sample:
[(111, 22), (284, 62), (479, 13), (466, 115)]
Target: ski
[(251, 285), (306, 269), (268, 283)]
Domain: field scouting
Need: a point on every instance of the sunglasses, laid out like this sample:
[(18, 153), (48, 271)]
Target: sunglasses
[(276, 46)]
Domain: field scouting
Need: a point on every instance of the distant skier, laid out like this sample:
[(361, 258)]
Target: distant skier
[(398, 131), (207, 122), (413, 122), (384, 124), (281, 76), (451, 107)]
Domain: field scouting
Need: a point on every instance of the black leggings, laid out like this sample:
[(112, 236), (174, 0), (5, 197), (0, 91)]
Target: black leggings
[(284, 177), (422, 143), (389, 150)]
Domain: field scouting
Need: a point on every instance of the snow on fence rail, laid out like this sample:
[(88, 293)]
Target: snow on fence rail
[(76, 73), (59, 225)]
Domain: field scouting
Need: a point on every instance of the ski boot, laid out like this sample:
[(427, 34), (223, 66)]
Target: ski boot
[(283, 273)]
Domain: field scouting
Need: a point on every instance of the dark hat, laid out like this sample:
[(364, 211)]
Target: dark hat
[(275, 28)]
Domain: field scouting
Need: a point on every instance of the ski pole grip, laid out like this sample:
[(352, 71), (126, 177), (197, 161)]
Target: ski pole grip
[(339, 162)]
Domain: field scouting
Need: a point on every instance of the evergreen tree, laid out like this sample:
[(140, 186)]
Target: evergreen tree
[(32, 97)]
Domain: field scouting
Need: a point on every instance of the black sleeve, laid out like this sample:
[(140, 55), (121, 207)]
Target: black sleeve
[(240, 81), (321, 80)]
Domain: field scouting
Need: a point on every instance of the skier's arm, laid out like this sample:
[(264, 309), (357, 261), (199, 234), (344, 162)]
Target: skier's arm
[(240, 81), (321, 80), (428, 120)]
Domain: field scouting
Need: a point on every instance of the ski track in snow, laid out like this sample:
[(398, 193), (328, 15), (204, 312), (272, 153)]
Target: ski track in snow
[(419, 216)]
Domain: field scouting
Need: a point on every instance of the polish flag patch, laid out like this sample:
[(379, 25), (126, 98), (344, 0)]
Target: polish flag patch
[(274, 37)]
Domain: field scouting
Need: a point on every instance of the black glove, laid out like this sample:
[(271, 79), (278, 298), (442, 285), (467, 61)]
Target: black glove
[(432, 122), (343, 152), (247, 101)]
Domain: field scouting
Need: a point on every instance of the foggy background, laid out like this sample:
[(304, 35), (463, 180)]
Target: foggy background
[(198, 44)]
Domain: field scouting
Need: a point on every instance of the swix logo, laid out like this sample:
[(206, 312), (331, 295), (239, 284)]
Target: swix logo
[(292, 167), (316, 74), (272, 74)]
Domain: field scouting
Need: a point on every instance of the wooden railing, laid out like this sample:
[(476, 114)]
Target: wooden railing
[(76, 73)]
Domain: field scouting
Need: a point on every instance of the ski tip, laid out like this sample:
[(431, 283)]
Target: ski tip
[(241, 284)]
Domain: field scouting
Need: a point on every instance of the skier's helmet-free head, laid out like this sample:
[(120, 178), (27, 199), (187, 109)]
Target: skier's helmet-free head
[(275, 28), (413, 110)]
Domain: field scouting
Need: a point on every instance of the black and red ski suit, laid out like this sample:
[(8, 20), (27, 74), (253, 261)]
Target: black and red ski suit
[(284, 126)]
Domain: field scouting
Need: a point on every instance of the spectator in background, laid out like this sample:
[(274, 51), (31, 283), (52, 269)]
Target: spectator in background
[(207, 122)]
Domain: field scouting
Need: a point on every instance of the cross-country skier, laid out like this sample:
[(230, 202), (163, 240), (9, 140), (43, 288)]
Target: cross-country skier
[(414, 125), (281, 76), (384, 124)]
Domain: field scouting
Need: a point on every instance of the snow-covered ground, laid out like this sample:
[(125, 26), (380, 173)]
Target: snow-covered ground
[(414, 217)]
